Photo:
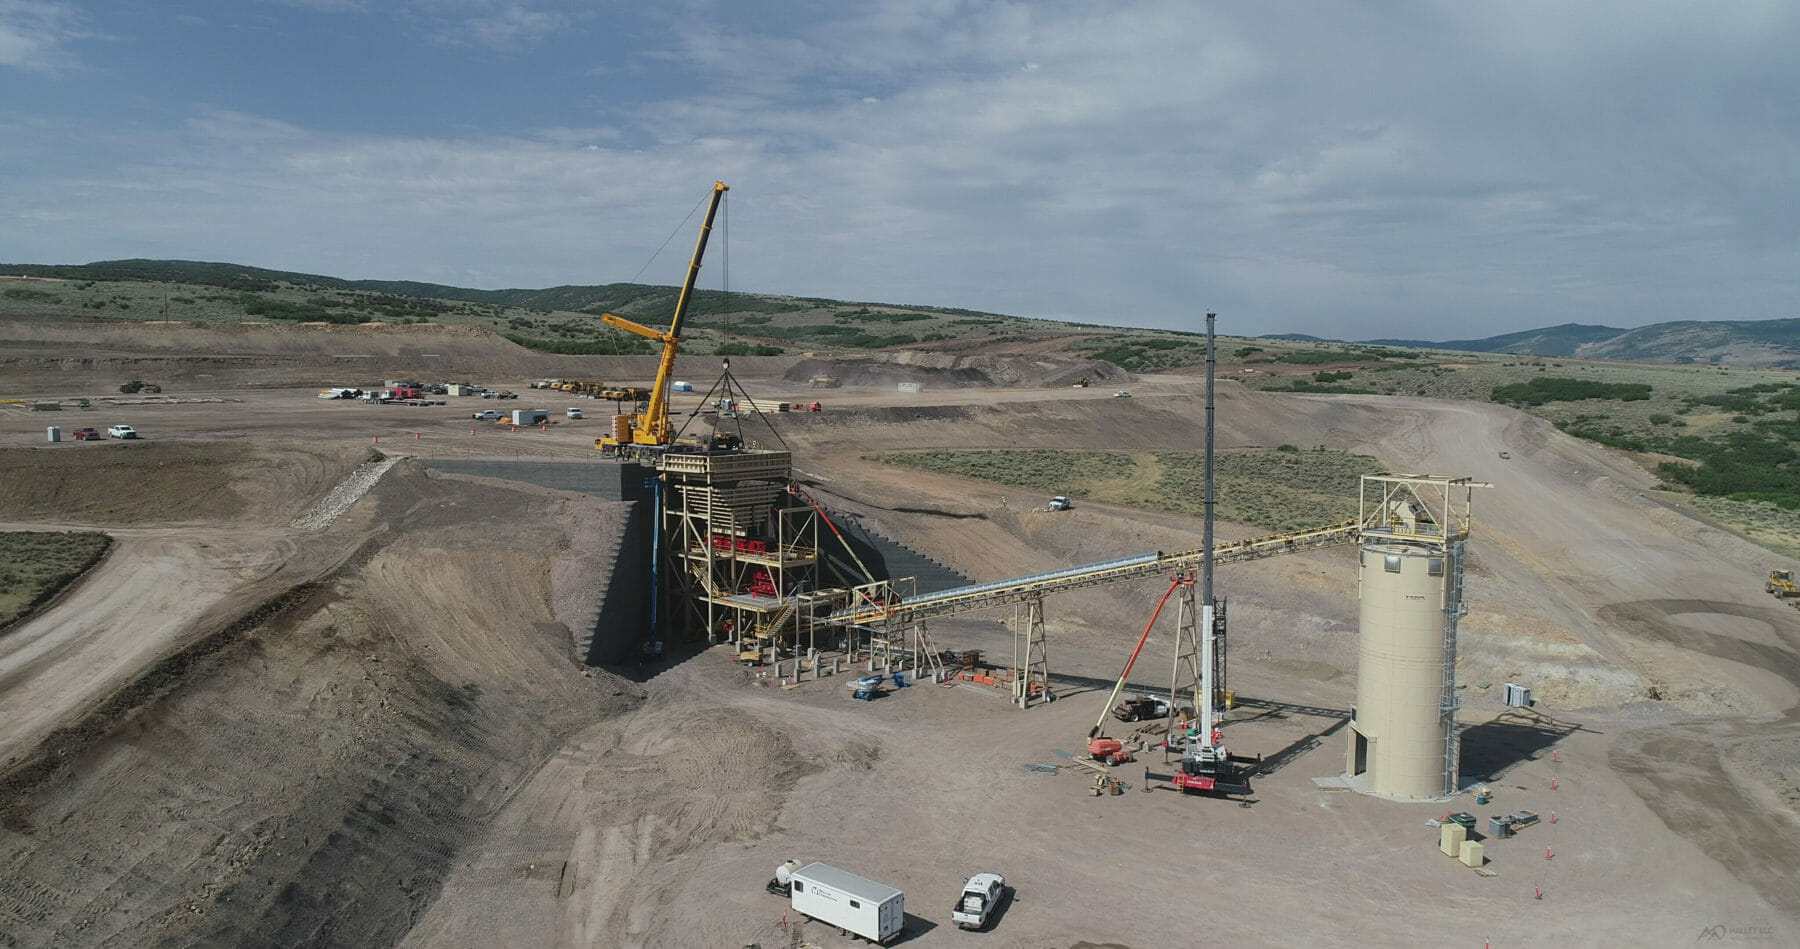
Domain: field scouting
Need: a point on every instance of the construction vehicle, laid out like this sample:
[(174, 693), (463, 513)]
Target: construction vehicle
[(1781, 584), (649, 430), (868, 688), (134, 387), (824, 382), (1140, 708), (1111, 750)]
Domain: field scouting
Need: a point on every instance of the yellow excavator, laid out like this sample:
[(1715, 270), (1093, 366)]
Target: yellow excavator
[(649, 430)]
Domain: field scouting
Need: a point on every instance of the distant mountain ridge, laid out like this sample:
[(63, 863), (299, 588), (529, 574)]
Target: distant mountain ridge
[(1562, 340), (1742, 343), (1761, 344), (626, 299)]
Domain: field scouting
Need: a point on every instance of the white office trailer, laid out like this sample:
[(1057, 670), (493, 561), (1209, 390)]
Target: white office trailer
[(874, 911)]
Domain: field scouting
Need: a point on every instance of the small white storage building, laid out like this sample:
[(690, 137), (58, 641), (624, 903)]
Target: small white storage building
[(874, 911)]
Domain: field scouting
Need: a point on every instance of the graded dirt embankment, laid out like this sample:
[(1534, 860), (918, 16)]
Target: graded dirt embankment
[(308, 772)]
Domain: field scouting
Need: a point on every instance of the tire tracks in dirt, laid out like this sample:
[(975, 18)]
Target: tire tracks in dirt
[(1691, 775)]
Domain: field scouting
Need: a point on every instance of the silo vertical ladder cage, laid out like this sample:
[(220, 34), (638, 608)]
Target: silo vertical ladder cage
[(1414, 534)]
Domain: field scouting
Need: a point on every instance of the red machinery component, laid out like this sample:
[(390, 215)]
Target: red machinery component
[(1193, 776), (742, 545)]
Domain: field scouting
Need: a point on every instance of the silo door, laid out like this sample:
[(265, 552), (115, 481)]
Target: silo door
[(1360, 763)]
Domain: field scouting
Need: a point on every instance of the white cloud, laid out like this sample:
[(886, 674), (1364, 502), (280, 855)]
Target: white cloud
[(501, 25), (504, 26), (35, 35), (1440, 170)]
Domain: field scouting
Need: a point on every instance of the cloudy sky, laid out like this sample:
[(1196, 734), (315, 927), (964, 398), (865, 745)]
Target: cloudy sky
[(1420, 169)]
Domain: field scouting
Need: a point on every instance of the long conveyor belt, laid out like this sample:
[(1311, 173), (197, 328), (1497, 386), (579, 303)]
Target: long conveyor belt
[(982, 596)]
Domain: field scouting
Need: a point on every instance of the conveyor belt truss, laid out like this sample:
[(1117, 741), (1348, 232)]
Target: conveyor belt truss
[(982, 596)]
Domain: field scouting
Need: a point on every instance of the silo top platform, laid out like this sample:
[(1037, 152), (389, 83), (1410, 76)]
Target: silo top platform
[(728, 466)]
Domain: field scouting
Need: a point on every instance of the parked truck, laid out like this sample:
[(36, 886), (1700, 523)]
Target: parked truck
[(980, 897), (874, 911), (1139, 708)]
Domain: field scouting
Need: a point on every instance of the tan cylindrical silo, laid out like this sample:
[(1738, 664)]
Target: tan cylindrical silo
[(1397, 737)]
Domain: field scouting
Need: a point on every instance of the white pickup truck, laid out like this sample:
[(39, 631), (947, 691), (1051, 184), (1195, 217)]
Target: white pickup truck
[(981, 895)]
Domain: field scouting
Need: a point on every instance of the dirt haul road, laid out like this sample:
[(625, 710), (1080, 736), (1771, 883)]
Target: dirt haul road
[(398, 748)]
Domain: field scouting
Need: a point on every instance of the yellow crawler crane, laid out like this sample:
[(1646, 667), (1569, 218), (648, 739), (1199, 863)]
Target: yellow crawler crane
[(650, 429)]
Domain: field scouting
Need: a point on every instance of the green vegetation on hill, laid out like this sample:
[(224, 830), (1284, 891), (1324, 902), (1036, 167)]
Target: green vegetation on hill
[(616, 345), (1752, 456), (1142, 353), (557, 319), (1320, 357), (1546, 390), (1279, 490), (36, 565)]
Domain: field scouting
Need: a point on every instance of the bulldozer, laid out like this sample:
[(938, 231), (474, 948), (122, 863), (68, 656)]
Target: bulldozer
[(1781, 584)]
